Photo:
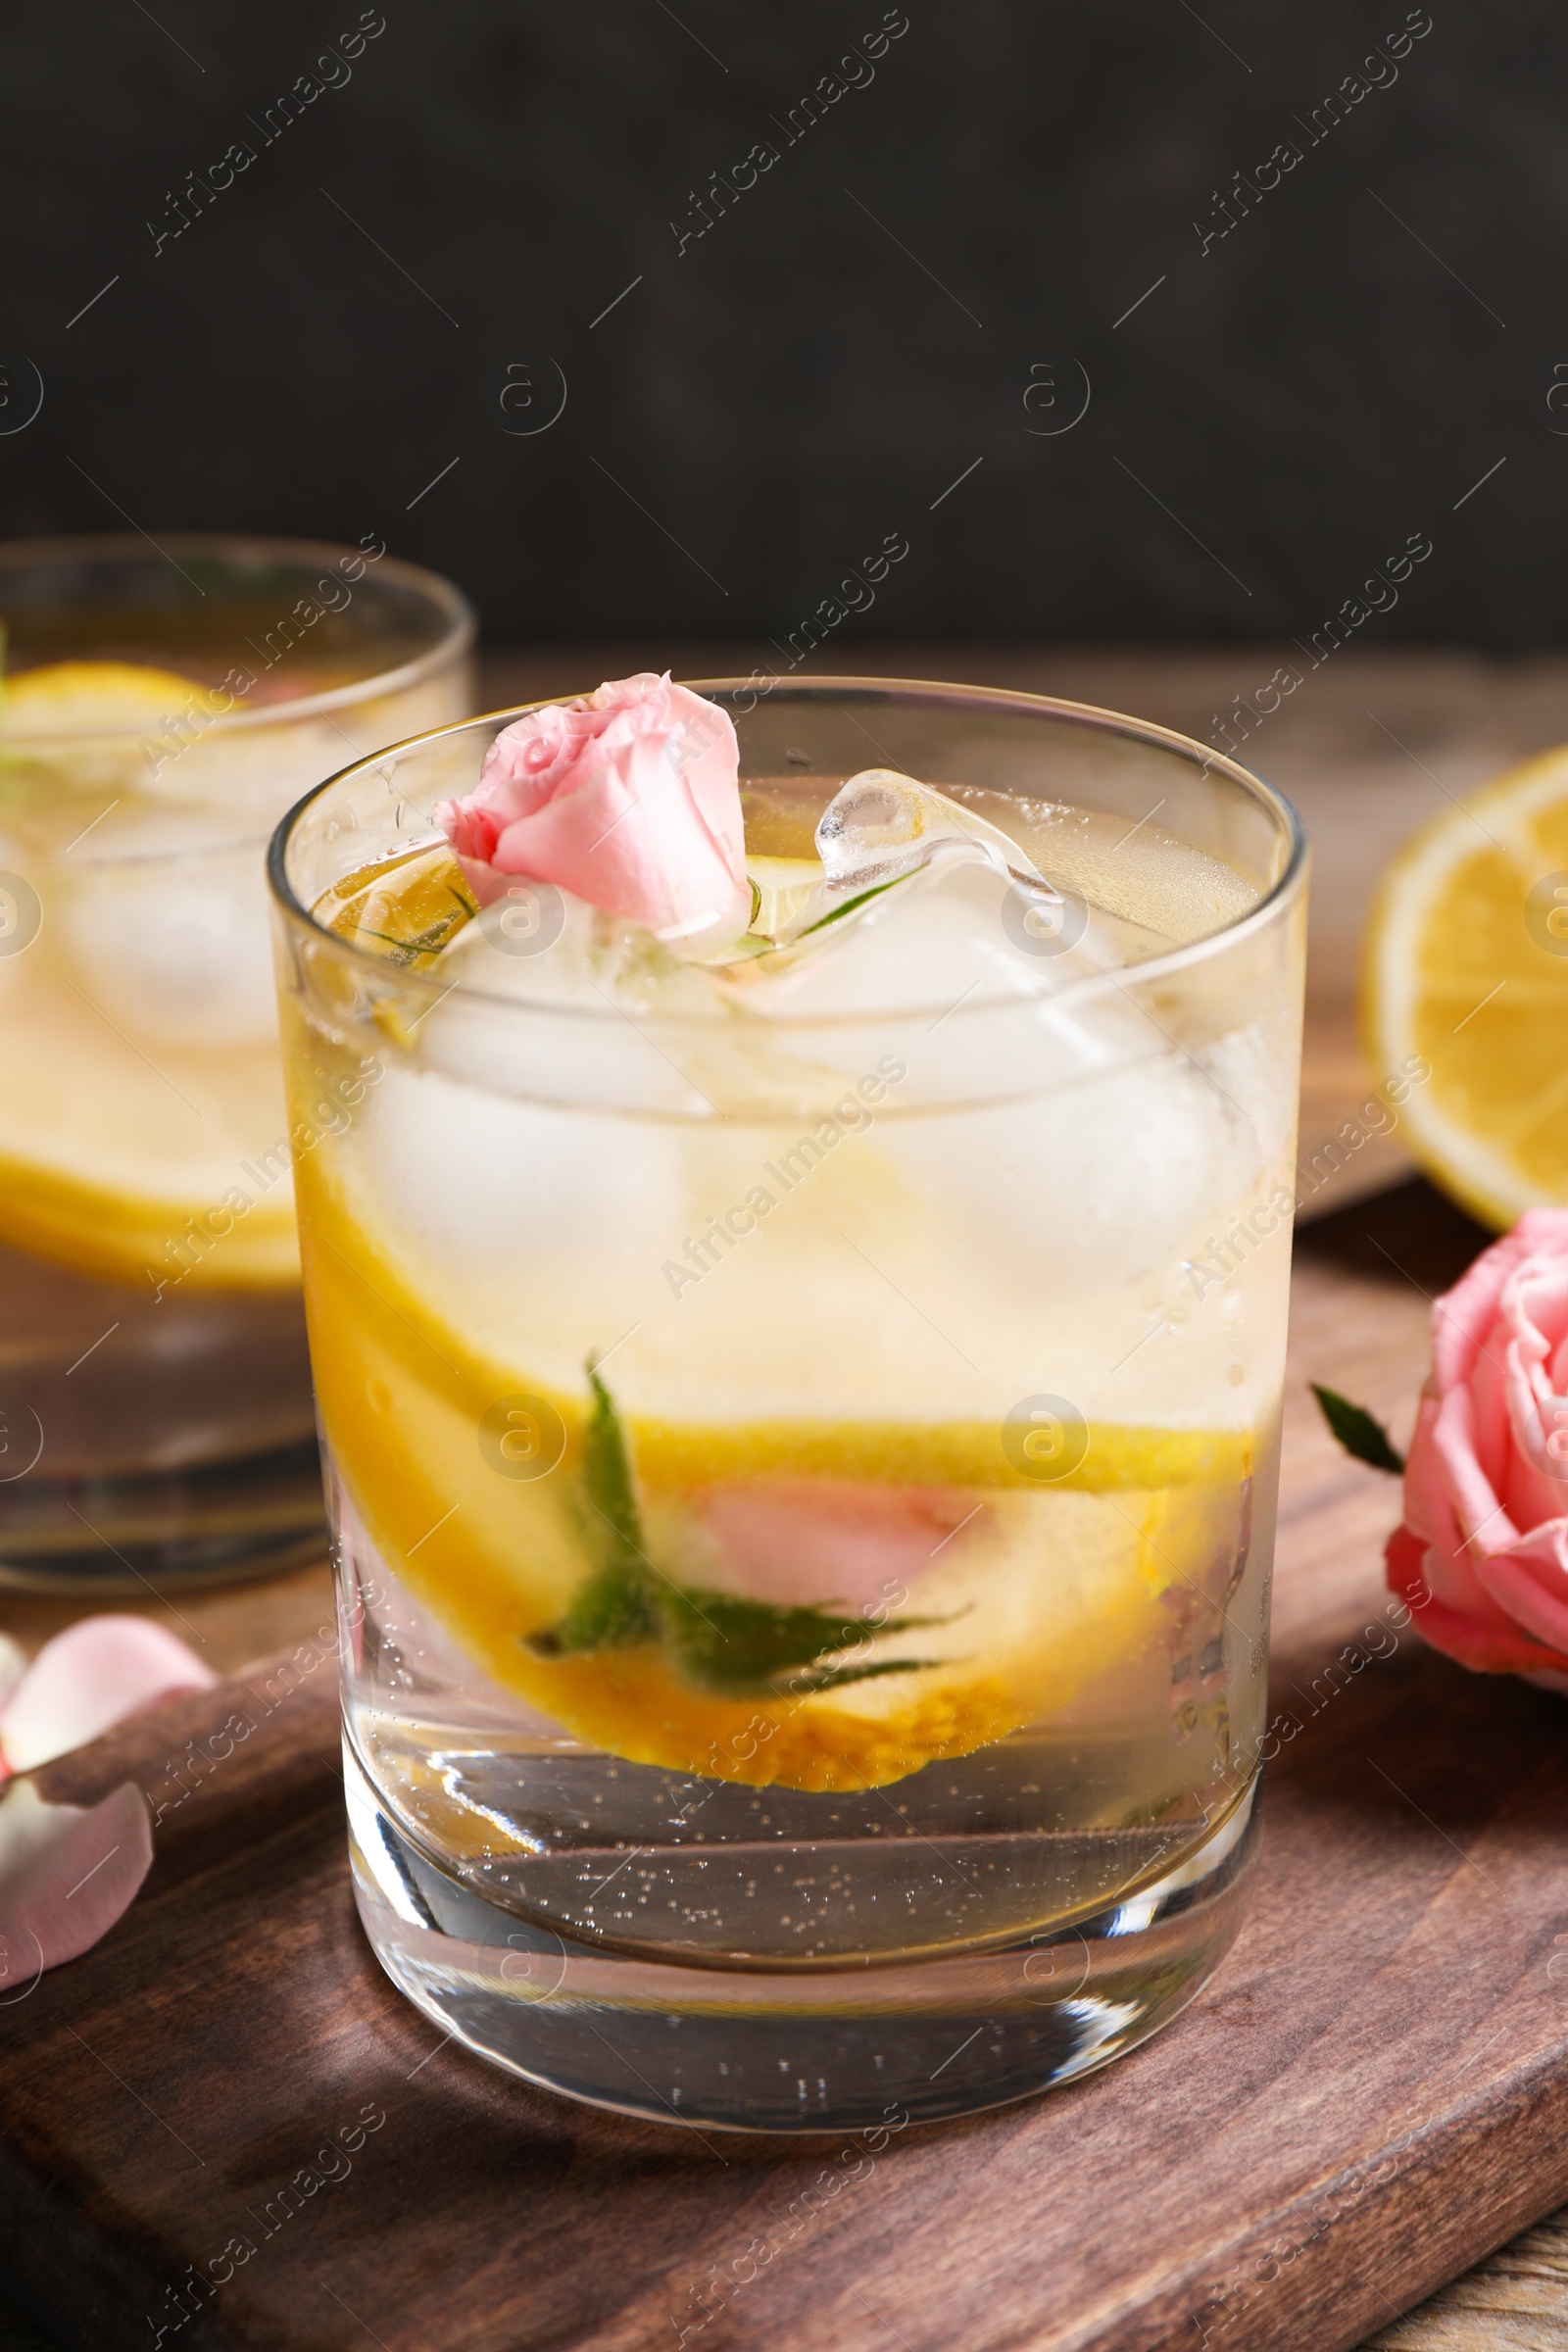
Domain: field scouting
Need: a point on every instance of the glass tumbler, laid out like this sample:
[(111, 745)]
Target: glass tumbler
[(957, 1308), (159, 708)]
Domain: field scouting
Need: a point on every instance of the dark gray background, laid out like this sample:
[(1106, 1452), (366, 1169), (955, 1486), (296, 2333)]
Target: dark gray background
[(1265, 428)]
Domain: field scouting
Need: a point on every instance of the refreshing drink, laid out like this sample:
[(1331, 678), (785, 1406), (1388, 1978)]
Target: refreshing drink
[(800, 1391), (156, 715)]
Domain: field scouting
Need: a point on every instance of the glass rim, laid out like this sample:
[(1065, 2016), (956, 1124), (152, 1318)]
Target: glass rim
[(1287, 885), (460, 622)]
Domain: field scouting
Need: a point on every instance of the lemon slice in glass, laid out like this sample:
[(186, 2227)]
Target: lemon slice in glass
[(138, 1079), (75, 695), (401, 1397)]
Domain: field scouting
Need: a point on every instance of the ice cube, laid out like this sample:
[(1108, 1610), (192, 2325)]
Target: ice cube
[(538, 1232), (1121, 1167), (538, 944), (885, 843), (949, 923), (918, 908), (177, 950), (881, 824), (550, 1000)]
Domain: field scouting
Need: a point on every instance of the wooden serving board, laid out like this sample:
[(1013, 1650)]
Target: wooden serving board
[(1371, 2092)]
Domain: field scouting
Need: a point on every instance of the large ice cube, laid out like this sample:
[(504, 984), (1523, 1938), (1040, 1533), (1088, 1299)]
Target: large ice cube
[(550, 1000), (537, 1231), (176, 950)]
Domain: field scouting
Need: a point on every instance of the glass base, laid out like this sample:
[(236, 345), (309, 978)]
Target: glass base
[(219, 1524), (806, 2051), (148, 1441)]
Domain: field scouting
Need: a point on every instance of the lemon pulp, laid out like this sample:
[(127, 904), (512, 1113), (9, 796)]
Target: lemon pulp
[(1468, 980)]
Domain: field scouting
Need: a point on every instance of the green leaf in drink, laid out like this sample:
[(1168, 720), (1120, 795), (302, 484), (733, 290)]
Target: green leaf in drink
[(715, 1642), (729, 1646)]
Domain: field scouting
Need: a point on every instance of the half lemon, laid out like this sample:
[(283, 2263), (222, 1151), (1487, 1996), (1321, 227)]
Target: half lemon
[(1468, 980)]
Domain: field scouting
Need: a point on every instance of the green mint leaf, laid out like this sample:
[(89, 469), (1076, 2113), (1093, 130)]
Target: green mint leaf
[(834, 1678), (610, 1611), (714, 1640), (837, 914), (613, 1609), (607, 1473), (722, 1644), (1356, 1430), (418, 943)]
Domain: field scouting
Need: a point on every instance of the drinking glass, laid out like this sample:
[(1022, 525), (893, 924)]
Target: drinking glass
[(159, 708), (963, 1301)]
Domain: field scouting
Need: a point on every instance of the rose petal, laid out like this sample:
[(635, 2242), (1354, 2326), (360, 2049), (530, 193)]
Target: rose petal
[(12, 1666), (93, 1675), (1432, 1517), (1535, 1303), (1528, 1580), (66, 1876), (1488, 1387), (1484, 1648), (798, 1542), (1481, 1516), (1453, 1439), (1462, 1317), (528, 761), (1534, 1318), (1531, 1492)]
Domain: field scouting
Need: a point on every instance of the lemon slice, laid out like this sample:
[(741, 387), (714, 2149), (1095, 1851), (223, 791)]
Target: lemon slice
[(406, 908), (104, 1170), (69, 694), (99, 1228), (405, 1404), (1467, 977)]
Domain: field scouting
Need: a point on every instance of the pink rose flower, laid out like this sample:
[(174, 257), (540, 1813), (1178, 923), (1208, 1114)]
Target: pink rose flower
[(1483, 1554), (628, 798)]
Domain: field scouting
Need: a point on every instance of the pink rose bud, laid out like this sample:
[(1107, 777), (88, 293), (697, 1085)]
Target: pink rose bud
[(1481, 1557), (629, 799)]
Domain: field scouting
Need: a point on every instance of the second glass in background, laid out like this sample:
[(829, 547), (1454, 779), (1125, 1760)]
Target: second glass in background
[(157, 713)]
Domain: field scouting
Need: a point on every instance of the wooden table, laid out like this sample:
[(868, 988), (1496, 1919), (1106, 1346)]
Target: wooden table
[(1367, 749)]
